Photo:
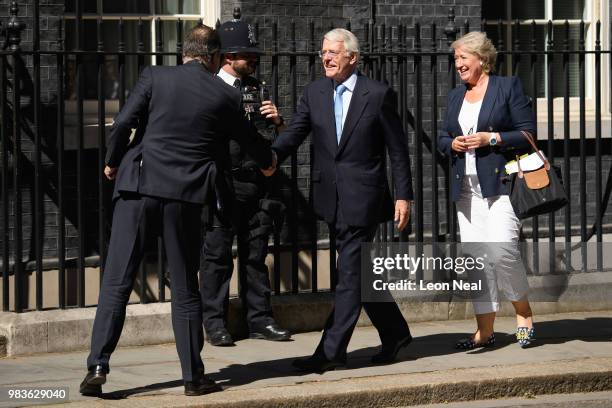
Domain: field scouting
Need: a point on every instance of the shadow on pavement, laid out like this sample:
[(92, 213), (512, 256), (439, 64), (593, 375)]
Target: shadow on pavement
[(425, 346), (122, 394), (593, 329), (549, 332)]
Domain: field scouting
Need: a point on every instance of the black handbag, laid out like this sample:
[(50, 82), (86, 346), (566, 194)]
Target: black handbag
[(537, 191)]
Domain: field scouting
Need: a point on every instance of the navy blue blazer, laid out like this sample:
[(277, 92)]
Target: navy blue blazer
[(351, 175), (185, 118), (506, 110)]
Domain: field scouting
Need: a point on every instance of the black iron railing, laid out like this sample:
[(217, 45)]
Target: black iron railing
[(421, 71)]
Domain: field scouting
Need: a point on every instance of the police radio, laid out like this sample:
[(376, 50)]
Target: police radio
[(252, 98)]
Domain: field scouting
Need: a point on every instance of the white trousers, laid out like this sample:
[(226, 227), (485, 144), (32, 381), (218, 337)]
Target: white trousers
[(492, 221)]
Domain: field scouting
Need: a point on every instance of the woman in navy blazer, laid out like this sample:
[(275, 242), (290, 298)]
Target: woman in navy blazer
[(481, 133)]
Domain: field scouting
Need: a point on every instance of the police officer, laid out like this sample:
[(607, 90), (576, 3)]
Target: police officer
[(252, 211)]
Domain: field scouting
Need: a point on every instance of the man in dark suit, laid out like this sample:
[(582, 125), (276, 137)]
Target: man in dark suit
[(352, 119), (173, 165)]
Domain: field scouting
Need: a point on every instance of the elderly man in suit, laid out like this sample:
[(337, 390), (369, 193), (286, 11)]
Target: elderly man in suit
[(353, 119), (174, 164)]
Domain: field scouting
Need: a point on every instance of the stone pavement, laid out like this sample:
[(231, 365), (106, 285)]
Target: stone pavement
[(573, 354), (583, 400)]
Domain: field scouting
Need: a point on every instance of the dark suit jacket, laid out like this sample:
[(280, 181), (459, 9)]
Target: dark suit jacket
[(506, 110), (185, 116), (352, 174)]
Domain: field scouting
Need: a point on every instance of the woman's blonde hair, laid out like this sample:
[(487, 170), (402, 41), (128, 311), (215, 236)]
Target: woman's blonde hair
[(478, 43)]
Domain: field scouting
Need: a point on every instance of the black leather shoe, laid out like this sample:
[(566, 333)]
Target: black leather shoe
[(203, 385), (92, 384), (388, 352), (220, 337), (270, 332), (316, 364)]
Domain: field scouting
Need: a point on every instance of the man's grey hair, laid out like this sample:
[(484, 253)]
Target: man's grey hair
[(351, 43)]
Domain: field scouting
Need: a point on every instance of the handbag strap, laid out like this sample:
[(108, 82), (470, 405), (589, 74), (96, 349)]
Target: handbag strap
[(518, 163), (529, 138)]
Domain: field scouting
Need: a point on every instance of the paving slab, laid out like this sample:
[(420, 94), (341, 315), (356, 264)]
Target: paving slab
[(573, 354)]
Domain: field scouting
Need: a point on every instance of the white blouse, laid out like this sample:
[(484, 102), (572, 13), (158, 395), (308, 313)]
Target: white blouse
[(468, 120)]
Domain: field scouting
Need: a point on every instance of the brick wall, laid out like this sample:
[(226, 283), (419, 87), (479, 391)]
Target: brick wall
[(51, 16), (263, 13)]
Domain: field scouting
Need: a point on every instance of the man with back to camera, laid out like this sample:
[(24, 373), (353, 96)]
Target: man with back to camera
[(175, 163), (252, 211), (352, 119)]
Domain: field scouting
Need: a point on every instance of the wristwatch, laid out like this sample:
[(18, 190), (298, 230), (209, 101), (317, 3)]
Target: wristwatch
[(493, 139)]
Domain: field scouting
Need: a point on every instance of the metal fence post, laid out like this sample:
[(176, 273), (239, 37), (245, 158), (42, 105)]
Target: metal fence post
[(38, 230), (61, 222), (450, 30), (5, 181), (13, 30)]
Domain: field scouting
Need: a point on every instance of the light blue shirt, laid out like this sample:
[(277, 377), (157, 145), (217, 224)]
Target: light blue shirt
[(348, 94)]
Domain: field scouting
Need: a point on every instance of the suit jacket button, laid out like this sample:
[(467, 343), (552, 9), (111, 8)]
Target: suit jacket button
[(496, 171), (457, 176)]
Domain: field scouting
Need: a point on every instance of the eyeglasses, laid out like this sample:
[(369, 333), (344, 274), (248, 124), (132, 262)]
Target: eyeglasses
[(332, 54)]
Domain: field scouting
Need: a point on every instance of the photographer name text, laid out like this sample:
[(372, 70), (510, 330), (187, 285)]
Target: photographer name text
[(409, 285)]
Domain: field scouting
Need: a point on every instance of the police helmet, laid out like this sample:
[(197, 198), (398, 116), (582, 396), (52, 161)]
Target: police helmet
[(237, 36)]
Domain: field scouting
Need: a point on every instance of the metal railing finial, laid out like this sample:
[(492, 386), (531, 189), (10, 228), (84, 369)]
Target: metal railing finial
[(451, 29), (237, 14), (14, 28)]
